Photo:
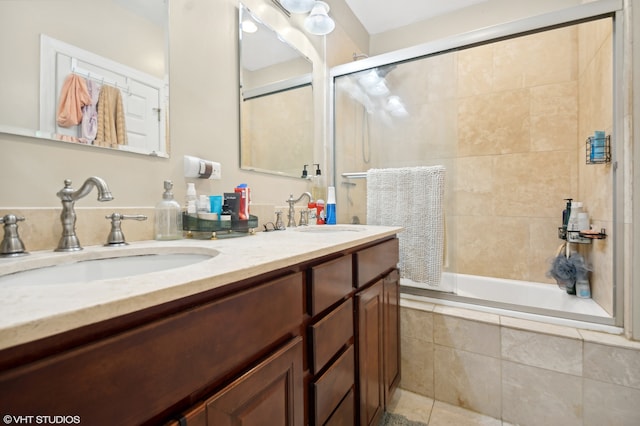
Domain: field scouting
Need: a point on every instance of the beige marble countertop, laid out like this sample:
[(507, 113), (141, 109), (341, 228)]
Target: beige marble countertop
[(34, 311)]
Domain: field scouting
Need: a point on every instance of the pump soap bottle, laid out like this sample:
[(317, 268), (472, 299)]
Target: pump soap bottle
[(168, 217), (317, 188)]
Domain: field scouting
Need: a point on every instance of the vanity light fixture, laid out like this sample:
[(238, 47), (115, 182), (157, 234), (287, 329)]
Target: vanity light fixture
[(298, 6), (319, 22)]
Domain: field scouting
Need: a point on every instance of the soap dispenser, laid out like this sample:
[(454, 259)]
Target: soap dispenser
[(317, 188), (168, 217)]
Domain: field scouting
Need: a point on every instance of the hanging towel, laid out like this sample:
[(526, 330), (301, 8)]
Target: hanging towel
[(73, 96), (111, 126), (411, 197), (90, 113)]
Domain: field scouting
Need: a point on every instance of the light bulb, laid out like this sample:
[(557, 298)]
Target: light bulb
[(318, 22), (297, 6)]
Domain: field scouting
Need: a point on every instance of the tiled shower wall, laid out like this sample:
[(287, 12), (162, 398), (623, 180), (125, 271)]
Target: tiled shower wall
[(509, 122), (522, 372)]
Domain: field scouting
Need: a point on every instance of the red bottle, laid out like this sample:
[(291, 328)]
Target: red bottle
[(320, 215)]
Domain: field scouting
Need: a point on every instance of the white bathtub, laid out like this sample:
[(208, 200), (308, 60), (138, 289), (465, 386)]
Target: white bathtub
[(520, 299)]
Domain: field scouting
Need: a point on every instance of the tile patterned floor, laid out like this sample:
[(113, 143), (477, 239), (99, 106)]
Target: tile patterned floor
[(436, 413)]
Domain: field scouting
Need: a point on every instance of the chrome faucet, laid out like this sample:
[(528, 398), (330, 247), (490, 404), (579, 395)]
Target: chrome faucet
[(69, 241), (11, 245), (292, 211)]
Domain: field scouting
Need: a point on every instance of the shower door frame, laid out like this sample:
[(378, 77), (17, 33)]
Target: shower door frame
[(570, 16)]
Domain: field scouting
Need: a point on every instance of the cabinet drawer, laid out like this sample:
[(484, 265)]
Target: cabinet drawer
[(330, 334), (375, 261), (130, 377), (330, 282), (345, 413), (333, 385)]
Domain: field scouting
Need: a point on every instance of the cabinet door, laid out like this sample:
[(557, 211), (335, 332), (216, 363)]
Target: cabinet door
[(369, 328), (271, 393), (391, 334)]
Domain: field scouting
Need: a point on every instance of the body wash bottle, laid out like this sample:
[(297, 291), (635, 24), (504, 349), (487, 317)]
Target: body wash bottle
[(168, 217)]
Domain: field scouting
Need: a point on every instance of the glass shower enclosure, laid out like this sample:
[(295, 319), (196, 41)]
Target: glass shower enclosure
[(508, 111)]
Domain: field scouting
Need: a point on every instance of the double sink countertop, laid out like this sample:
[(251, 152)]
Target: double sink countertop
[(36, 310)]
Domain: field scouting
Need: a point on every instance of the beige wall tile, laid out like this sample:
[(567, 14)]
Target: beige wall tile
[(473, 186), (532, 396), (533, 184), (475, 71), (486, 127), (608, 404), (538, 59), (416, 324), (539, 350), (540, 327), (554, 116), (42, 229), (468, 335), (493, 246), (618, 340), (444, 414), (612, 364), (417, 366), (544, 244), (468, 380)]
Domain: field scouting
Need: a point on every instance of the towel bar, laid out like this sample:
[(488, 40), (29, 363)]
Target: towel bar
[(355, 175)]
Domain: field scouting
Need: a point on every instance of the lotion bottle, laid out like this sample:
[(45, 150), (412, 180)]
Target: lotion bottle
[(168, 216), (191, 199)]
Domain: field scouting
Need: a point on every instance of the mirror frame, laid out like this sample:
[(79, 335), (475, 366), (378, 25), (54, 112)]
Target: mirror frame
[(273, 87), (163, 142)]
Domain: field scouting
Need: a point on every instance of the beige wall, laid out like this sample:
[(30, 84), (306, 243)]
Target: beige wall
[(481, 15), (203, 122), (20, 48)]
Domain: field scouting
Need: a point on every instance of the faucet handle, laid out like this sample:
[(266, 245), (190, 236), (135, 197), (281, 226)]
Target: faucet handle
[(304, 217), (116, 236), (11, 244)]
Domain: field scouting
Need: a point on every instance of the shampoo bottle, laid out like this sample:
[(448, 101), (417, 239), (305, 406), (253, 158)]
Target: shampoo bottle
[(168, 217), (573, 226)]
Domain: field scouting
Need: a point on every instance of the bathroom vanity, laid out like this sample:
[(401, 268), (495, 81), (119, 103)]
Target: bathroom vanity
[(281, 328)]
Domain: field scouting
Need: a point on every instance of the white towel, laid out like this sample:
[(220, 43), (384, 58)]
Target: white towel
[(411, 197)]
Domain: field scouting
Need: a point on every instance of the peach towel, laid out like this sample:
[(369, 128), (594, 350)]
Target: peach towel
[(73, 96), (111, 126)]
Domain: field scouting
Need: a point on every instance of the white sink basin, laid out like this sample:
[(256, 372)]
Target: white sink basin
[(102, 265)]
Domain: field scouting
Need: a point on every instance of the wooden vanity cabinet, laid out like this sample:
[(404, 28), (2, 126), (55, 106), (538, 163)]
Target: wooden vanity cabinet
[(316, 343), (377, 328), (330, 336), (270, 391), (136, 376), (354, 336)]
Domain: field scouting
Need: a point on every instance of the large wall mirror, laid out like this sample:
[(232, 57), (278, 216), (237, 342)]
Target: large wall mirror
[(92, 72), (276, 101)]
